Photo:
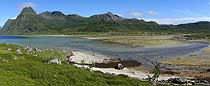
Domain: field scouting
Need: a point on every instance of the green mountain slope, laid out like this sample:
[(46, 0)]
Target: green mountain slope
[(28, 22)]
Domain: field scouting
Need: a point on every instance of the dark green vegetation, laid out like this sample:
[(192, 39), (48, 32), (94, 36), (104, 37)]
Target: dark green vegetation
[(31, 70), (28, 22), (197, 36)]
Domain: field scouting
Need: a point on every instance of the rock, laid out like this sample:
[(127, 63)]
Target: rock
[(106, 61), (69, 57), (37, 50), (178, 80), (54, 61), (208, 70), (29, 50), (119, 66), (4, 60), (18, 51), (9, 49), (203, 82)]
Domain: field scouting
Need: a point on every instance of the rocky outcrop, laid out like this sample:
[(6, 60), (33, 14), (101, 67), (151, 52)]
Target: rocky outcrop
[(55, 15), (107, 17), (26, 22)]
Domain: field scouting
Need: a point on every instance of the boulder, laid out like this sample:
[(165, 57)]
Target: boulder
[(54, 61), (119, 66), (69, 57), (29, 50), (178, 80), (9, 49), (37, 50), (18, 51), (203, 82)]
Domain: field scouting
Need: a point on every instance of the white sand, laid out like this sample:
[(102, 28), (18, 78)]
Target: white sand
[(126, 71), (88, 57), (131, 73)]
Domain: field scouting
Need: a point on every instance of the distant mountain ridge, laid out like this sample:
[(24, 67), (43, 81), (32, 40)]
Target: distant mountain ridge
[(56, 22)]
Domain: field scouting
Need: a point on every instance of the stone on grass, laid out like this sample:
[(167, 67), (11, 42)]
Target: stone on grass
[(54, 61), (37, 50), (9, 49), (18, 51), (29, 50)]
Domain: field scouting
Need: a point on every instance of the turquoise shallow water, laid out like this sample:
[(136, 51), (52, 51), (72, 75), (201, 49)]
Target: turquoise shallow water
[(143, 55)]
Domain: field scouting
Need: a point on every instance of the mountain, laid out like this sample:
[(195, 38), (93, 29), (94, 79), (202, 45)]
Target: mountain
[(56, 22), (55, 15), (27, 22), (197, 27), (107, 17)]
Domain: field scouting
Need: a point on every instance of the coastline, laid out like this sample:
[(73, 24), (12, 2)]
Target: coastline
[(88, 58), (130, 72)]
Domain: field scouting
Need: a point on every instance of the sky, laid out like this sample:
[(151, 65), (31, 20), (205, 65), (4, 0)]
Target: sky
[(161, 11)]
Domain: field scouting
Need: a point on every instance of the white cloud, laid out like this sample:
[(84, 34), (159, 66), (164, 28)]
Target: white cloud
[(140, 14), (27, 4), (119, 14), (14, 17), (136, 14), (152, 13), (179, 20)]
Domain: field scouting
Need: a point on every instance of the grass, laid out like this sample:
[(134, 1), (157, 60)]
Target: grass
[(143, 41), (184, 61), (202, 59), (30, 70), (190, 61)]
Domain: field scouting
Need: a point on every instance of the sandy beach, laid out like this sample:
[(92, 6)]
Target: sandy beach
[(88, 58)]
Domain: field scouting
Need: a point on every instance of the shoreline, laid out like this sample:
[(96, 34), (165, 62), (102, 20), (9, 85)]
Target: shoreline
[(88, 58), (130, 72)]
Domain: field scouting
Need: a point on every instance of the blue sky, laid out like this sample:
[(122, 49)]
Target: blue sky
[(161, 11)]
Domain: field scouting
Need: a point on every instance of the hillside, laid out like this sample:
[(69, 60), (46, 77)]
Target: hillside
[(32, 70), (56, 22)]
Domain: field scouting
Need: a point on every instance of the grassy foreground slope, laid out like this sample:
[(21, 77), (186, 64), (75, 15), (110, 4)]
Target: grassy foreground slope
[(30, 70)]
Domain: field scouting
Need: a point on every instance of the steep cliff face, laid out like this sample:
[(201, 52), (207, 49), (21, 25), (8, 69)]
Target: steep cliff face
[(26, 22)]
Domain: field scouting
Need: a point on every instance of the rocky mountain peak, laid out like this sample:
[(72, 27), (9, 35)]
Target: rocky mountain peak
[(108, 17), (54, 13), (28, 11), (57, 13)]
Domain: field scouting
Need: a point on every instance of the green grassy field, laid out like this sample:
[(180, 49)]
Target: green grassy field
[(30, 70)]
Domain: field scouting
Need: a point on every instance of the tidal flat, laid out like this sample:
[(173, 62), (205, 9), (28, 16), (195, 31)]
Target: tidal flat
[(142, 41)]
